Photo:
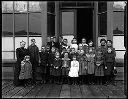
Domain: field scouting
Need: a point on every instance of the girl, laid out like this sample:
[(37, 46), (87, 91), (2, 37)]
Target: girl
[(74, 44), (43, 64), (65, 67), (83, 64), (26, 70), (99, 67), (90, 62), (109, 61), (56, 68), (84, 44), (72, 53), (51, 60), (74, 69)]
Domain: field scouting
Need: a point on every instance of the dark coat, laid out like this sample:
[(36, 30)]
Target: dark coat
[(65, 66), (56, 71), (52, 44), (20, 54), (34, 54), (110, 61), (44, 61), (82, 64), (72, 54), (99, 59), (51, 62)]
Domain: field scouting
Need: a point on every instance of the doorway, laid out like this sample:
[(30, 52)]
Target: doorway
[(84, 24)]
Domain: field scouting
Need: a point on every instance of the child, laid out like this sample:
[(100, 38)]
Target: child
[(90, 62), (74, 44), (72, 53), (43, 64), (64, 45), (65, 67), (26, 70), (74, 69), (84, 44), (109, 61), (99, 67), (51, 60), (56, 68), (48, 63), (83, 64)]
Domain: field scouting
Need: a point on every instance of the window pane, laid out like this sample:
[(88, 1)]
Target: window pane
[(102, 6), (18, 40), (7, 55), (118, 42), (7, 24), (120, 54), (34, 6), (7, 6), (34, 24), (7, 44), (117, 6), (20, 6), (67, 23), (118, 19), (20, 24), (102, 24), (38, 41)]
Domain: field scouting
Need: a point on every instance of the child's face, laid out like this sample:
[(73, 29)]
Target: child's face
[(53, 49), (103, 43), (83, 40), (48, 49), (109, 50), (43, 48), (90, 43), (57, 55), (80, 47), (66, 55), (74, 58), (65, 41), (74, 41), (27, 58), (109, 43)]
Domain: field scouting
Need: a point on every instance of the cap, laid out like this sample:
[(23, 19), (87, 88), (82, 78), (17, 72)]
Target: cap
[(23, 42), (102, 40), (33, 40)]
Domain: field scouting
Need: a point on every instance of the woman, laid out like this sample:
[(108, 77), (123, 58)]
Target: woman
[(21, 52)]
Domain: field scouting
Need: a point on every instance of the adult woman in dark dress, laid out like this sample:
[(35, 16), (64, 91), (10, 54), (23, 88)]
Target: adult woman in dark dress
[(21, 52)]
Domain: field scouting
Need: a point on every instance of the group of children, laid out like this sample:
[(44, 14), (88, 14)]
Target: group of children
[(78, 64)]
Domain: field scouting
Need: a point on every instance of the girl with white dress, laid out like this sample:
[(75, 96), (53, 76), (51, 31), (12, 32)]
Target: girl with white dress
[(74, 69)]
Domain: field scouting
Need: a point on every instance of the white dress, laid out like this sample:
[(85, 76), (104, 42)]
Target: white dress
[(74, 46), (74, 69)]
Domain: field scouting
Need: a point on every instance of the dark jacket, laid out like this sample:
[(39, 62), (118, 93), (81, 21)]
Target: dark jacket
[(34, 53)]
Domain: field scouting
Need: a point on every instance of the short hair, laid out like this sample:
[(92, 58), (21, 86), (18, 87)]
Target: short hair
[(22, 42), (33, 40), (103, 40), (110, 41)]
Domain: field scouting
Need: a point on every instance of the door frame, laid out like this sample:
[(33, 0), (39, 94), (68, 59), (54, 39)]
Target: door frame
[(94, 21)]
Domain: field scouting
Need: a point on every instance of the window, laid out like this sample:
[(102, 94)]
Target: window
[(102, 18), (21, 20)]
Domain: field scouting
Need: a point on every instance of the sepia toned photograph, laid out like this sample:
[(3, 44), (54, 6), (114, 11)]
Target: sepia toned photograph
[(64, 49)]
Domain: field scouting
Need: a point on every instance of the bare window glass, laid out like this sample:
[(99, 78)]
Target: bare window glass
[(7, 6), (20, 6), (34, 6)]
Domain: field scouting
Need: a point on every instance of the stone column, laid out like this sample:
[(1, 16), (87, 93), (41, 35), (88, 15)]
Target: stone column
[(110, 21), (44, 22), (57, 33)]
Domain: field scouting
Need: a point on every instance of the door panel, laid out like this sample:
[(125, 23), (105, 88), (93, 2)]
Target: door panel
[(68, 22)]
